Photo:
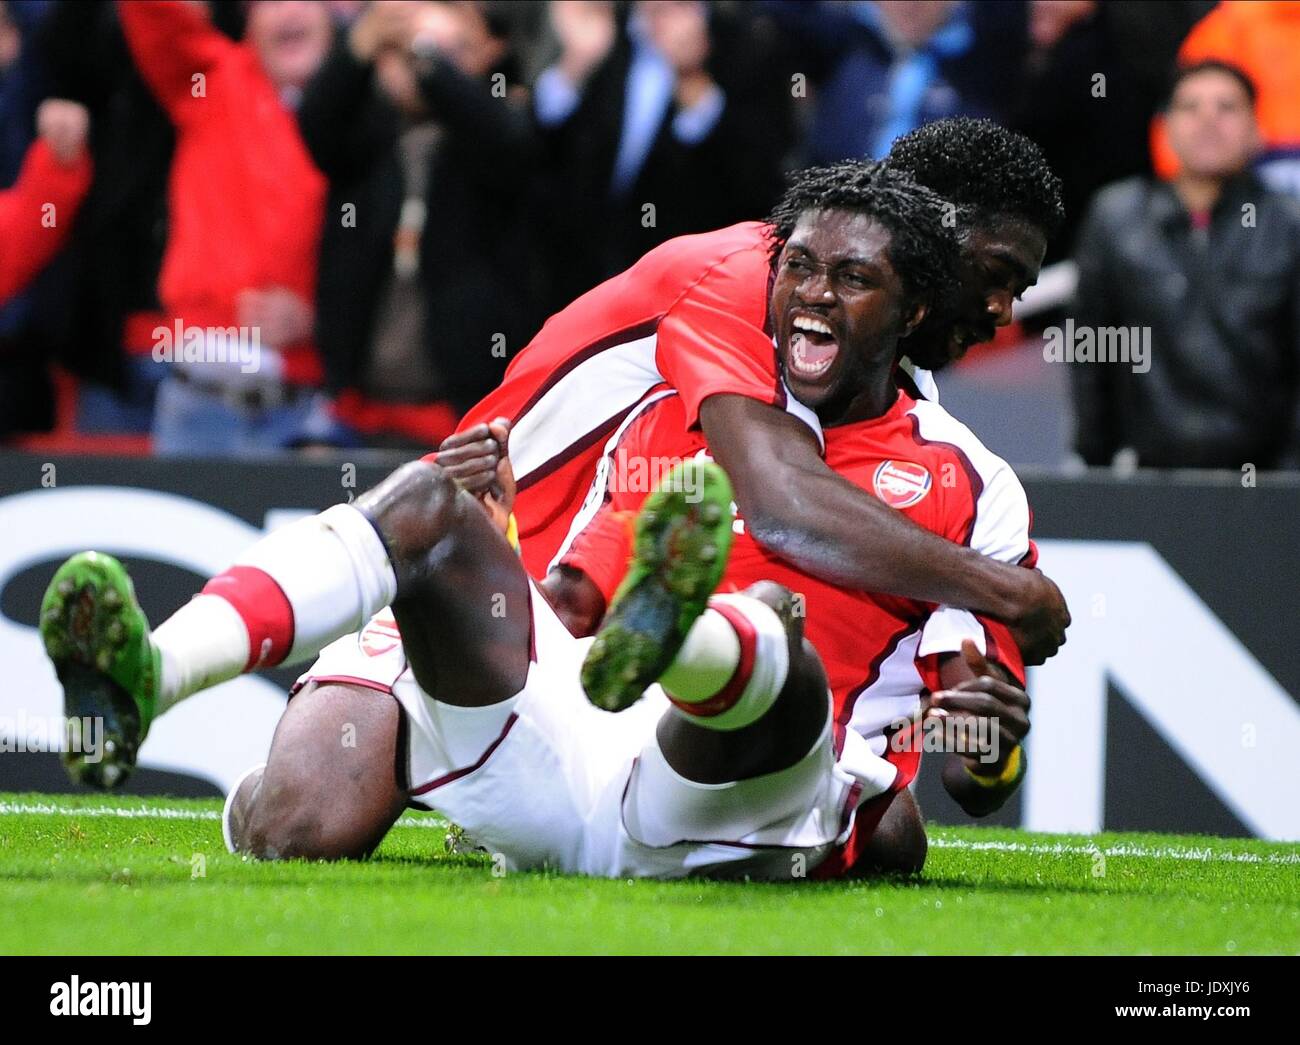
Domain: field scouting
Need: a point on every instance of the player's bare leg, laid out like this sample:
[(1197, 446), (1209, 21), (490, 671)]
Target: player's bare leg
[(330, 787), (464, 615), (779, 737), (750, 694), (463, 601), (291, 594), (898, 844)]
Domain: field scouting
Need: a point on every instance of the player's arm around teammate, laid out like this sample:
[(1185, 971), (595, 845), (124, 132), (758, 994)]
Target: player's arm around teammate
[(797, 506)]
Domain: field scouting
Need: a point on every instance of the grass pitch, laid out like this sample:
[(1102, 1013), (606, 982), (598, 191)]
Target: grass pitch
[(92, 875)]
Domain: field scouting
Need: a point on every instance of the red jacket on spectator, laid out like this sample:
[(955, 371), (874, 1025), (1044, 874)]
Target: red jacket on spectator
[(246, 201), (28, 239)]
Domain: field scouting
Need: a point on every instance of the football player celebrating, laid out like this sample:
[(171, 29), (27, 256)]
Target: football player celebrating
[(731, 766), (692, 315), (883, 656)]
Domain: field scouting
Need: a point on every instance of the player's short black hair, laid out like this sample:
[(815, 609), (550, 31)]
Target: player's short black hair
[(1212, 65), (922, 244), (986, 169)]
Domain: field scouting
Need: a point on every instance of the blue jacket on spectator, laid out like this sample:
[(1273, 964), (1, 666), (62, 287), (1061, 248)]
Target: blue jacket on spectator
[(870, 90)]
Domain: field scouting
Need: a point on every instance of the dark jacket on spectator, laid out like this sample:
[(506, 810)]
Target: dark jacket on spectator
[(351, 130), (116, 250), (477, 256), (114, 256), (1223, 307), (733, 174), (1090, 101), (973, 65), (26, 393)]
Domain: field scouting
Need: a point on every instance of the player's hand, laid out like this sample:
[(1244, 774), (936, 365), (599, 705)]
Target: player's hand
[(1039, 627), (64, 126), (398, 80), (479, 459), (586, 30), (382, 25), (442, 28), (472, 457), (988, 696)]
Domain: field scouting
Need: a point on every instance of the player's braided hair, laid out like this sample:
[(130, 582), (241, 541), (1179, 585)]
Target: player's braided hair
[(984, 168), (922, 244)]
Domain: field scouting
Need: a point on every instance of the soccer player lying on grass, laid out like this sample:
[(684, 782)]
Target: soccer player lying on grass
[(692, 315), (883, 655), (738, 771)]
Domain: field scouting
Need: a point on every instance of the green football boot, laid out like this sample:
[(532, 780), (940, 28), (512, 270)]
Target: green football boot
[(682, 539), (98, 638)]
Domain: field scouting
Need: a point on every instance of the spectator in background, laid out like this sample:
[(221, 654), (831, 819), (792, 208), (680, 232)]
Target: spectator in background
[(25, 388), (1209, 264), (101, 328), (22, 80), (246, 204), (36, 214), (883, 69), (672, 121), (1098, 73), (418, 119), (1263, 38)]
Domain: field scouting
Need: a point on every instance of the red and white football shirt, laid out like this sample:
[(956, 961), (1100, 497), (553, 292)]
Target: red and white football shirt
[(881, 652), (690, 316)]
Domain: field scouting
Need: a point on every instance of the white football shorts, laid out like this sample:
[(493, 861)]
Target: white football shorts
[(547, 780)]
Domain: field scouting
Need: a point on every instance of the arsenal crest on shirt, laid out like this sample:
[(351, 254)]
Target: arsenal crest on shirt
[(901, 484), (380, 635)]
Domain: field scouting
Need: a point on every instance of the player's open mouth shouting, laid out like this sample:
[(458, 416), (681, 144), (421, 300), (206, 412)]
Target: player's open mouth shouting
[(813, 345)]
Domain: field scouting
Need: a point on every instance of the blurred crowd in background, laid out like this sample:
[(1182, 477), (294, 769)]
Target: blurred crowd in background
[(392, 196)]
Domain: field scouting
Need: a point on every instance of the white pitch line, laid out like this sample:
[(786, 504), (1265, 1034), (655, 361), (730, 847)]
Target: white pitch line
[(1200, 855), (160, 813)]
